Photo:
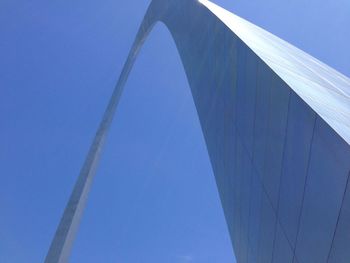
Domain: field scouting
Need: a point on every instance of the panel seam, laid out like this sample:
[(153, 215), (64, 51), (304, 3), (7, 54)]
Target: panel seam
[(338, 218), (304, 190), (281, 173)]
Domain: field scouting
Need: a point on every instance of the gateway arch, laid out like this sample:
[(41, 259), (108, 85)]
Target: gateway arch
[(276, 122)]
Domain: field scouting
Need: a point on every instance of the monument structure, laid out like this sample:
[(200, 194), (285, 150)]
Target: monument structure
[(276, 122)]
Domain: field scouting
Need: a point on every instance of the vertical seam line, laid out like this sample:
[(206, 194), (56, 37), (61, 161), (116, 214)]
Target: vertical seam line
[(304, 190), (281, 173), (338, 218)]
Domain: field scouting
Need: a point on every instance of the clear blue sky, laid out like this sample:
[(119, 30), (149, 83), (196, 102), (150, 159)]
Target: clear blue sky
[(154, 198)]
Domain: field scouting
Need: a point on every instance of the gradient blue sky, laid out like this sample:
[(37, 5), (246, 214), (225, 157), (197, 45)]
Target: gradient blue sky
[(154, 198)]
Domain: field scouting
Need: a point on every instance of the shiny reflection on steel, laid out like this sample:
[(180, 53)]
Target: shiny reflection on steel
[(251, 89)]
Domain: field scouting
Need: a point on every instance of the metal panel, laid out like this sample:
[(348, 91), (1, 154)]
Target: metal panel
[(277, 123), (264, 76), (239, 174), (254, 217), (267, 231), (340, 252), (246, 90), (328, 172), (282, 251), (301, 121), (246, 174)]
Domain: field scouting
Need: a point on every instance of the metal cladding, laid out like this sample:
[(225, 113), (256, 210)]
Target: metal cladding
[(276, 122)]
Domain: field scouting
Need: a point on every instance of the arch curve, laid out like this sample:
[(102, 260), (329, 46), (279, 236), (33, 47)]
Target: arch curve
[(165, 12), (245, 114)]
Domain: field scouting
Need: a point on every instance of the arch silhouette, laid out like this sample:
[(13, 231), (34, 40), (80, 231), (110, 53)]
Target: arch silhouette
[(62, 243), (249, 88)]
